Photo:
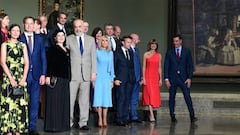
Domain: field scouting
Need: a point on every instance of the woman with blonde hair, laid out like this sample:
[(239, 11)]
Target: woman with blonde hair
[(104, 81)]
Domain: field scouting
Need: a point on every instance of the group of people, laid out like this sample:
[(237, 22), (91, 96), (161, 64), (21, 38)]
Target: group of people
[(68, 64)]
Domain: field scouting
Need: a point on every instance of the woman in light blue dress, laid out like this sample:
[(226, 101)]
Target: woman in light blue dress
[(104, 81)]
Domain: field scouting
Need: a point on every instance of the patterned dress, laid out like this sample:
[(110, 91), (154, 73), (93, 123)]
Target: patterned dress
[(13, 109)]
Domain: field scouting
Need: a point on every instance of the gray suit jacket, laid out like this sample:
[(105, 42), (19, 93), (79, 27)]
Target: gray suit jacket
[(84, 64)]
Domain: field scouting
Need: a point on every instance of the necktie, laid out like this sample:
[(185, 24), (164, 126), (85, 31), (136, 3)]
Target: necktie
[(81, 45), (111, 43), (178, 54), (63, 28), (127, 55), (30, 46)]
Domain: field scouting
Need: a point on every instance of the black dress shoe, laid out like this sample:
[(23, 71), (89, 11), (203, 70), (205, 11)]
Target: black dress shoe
[(194, 119), (137, 121), (84, 128), (33, 133), (121, 124), (173, 119), (75, 126)]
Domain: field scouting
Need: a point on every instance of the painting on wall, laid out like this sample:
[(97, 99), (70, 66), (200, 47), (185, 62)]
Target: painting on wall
[(50, 8), (217, 37)]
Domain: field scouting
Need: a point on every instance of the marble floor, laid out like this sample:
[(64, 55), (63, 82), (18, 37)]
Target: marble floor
[(209, 125)]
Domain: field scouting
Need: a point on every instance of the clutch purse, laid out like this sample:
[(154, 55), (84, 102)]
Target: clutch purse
[(15, 91), (18, 91), (53, 82)]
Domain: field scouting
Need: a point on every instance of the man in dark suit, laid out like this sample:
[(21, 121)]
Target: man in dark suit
[(124, 79), (114, 42), (178, 72), (138, 76), (61, 21), (37, 69)]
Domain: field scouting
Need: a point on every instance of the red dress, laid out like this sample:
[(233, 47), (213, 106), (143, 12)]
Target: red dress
[(151, 91)]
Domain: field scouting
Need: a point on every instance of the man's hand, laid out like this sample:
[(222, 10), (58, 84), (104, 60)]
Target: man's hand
[(188, 82), (117, 82), (93, 77), (42, 80), (168, 84)]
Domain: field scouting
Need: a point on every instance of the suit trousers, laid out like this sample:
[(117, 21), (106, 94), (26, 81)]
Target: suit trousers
[(33, 88), (123, 94), (83, 100), (134, 100), (186, 93)]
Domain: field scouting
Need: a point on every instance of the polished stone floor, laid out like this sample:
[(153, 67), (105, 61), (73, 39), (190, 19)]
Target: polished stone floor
[(209, 125)]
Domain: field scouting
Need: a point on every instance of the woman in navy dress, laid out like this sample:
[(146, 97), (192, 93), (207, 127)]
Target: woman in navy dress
[(104, 81)]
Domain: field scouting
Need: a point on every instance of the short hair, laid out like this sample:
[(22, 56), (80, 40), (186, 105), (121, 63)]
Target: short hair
[(95, 31), (125, 37), (108, 24), (100, 44), (178, 35), (153, 41), (11, 27), (38, 21), (27, 17), (63, 13)]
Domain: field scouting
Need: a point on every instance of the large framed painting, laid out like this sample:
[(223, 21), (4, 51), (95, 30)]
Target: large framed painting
[(74, 9), (211, 28)]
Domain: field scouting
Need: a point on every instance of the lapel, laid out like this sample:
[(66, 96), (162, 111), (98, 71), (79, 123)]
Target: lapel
[(24, 40), (35, 42)]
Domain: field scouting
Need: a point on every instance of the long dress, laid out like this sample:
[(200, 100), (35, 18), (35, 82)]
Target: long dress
[(13, 109), (57, 100), (151, 91), (105, 76)]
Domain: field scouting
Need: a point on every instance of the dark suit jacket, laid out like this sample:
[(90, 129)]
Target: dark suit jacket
[(52, 32), (137, 64), (173, 69), (124, 69), (37, 59), (118, 43)]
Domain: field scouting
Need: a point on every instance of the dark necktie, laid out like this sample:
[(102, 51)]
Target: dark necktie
[(81, 45), (30, 46), (127, 54), (178, 54)]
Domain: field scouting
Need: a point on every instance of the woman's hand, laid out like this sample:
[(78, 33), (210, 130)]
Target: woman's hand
[(22, 82), (13, 83), (47, 81), (143, 81)]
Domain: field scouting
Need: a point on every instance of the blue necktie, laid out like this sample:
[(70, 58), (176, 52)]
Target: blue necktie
[(111, 42), (81, 45)]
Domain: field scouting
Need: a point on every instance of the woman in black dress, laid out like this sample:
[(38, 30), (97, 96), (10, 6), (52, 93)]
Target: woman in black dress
[(57, 115)]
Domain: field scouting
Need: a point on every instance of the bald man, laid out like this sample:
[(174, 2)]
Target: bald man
[(83, 70)]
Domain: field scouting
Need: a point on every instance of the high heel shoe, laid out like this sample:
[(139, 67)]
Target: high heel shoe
[(104, 125), (100, 126)]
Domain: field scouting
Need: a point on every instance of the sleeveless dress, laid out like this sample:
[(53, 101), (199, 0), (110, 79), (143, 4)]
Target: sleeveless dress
[(151, 91), (13, 109)]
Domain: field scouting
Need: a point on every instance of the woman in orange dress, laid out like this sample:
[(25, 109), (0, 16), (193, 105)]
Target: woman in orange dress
[(152, 78)]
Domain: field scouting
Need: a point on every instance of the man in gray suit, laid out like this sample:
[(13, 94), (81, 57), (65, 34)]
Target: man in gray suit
[(83, 69)]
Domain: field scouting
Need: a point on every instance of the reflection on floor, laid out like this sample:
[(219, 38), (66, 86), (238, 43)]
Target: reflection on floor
[(209, 125)]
